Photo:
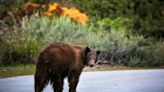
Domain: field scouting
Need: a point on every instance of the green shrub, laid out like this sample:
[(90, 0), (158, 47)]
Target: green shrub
[(152, 55), (25, 44), (119, 24), (147, 15), (134, 62), (18, 47)]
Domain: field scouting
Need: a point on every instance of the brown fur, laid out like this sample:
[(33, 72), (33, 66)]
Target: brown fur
[(58, 61)]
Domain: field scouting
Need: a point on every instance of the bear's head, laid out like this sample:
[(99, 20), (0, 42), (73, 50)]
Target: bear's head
[(91, 57)]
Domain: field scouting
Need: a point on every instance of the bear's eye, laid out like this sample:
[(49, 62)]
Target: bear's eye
[(93, 57)]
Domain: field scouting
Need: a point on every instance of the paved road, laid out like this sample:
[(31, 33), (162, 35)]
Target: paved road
[(111, 81)]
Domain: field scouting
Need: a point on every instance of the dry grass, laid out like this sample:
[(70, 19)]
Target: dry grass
[(17, 70), (20, 70)]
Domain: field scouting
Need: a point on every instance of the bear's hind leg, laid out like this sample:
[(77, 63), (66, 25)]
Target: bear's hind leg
[(41, 80), (73, 79), (58, 84)]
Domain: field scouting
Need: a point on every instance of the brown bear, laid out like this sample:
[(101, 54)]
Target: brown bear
[(61, 60)]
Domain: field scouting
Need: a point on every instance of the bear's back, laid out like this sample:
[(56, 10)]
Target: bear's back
[(59, 52)]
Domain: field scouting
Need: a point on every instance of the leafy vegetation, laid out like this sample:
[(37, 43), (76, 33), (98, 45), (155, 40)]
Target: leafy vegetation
[(24, 45), (147, 15), (122, 29)]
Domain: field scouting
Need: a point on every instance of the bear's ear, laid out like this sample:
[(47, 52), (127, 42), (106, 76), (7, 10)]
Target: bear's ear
[(98, 52), (87, 49)]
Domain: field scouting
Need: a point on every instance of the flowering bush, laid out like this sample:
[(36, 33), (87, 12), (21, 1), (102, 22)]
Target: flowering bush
[(73, 13), (50, 10), (55, 9)]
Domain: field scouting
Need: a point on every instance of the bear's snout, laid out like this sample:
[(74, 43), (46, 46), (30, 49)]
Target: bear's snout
[(92, 63)]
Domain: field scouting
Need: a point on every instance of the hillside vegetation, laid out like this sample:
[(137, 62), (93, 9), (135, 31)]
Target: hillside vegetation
[(127, 32)]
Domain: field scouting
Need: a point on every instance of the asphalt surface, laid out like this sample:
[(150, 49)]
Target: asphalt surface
[(111, 81)]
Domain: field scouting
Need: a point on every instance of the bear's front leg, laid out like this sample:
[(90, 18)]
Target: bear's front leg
[(73, 79)]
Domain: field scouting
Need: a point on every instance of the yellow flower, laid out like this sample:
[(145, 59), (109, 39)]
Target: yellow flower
[(65, 11), (73, 13), (49, 14), (52, 7), (30, 5), (76, 15)]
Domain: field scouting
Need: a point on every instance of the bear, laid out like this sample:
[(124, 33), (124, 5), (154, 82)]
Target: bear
[(61, 60)]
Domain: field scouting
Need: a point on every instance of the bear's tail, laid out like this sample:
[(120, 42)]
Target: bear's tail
[(41, 77)]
